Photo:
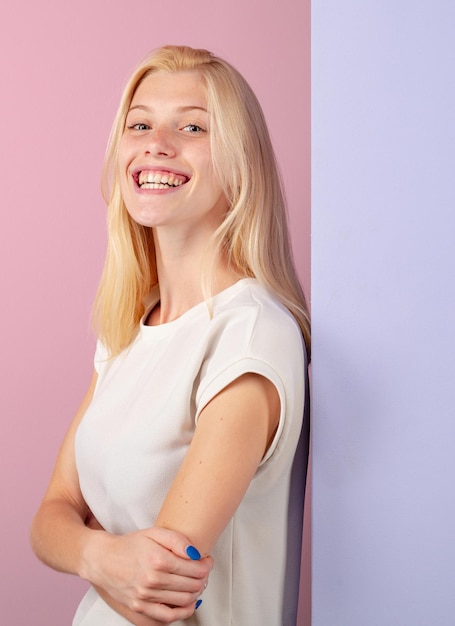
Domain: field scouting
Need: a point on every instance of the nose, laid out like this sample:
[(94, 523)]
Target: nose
[(161, 143)]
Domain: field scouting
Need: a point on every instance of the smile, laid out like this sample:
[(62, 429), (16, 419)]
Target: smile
[(149, 179)]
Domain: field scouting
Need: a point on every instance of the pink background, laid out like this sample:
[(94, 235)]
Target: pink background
[(63, 65)]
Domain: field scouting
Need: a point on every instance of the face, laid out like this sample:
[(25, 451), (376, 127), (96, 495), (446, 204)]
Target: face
[(165, 164)]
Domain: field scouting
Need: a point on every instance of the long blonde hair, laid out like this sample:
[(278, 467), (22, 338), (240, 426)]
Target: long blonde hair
[(254, 235)]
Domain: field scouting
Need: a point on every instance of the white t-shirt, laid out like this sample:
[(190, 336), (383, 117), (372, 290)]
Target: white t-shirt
[(136, 432)]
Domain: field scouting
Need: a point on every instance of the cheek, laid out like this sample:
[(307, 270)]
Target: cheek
[(123, 161), (128, 146), (215, 183), (124, 183), (122, 156), (205, 166), (120, 170)]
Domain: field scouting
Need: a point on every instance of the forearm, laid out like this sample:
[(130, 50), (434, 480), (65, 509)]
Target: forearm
[(144, 573), (58, 536), (58, 531)]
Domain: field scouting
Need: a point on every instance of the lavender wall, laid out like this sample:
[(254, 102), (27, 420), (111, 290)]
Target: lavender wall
[(63, 65), (383, 258)]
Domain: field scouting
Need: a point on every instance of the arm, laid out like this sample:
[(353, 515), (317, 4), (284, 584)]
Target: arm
[(232, 435), (139, 573), (63, 506)]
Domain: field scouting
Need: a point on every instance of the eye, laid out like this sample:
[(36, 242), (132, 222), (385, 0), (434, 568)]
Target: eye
[(193, 128), (139, 126)]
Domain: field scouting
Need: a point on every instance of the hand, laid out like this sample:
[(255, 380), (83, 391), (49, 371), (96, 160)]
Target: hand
[(147, 572)]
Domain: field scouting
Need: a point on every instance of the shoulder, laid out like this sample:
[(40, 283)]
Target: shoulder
[(251, 331), (253, 316)]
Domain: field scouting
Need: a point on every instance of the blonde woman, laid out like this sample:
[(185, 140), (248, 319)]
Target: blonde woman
[(177, 469)]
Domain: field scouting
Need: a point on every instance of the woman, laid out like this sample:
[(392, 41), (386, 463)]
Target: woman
[(184, 443)]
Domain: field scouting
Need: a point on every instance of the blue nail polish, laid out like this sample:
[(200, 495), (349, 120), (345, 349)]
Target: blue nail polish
[(198, 604), (193, 553)]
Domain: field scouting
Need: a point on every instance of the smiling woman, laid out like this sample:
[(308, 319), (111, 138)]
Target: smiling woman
[(165, 163), (177, 469)]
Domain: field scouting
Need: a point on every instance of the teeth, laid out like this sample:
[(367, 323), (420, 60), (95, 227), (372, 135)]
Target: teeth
[(159, 180), (154, 186)]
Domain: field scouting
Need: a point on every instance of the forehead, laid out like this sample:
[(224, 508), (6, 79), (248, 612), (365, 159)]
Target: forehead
[(183, 88)]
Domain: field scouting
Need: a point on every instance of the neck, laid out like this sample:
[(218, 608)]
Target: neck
[(180, 271)]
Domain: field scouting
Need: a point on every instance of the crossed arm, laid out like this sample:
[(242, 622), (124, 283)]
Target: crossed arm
[(147, 576)]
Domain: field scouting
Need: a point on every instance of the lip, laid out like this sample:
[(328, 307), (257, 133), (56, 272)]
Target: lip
[(159, 168)]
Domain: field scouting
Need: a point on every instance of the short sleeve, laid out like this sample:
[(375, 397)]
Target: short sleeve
[(258, 337)]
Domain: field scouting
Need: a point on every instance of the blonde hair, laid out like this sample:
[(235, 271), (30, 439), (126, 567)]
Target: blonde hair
[(254, 235)]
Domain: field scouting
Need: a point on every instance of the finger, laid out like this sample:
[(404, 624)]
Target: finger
[(188, 561), (171, 598), (159, 582), (175, 542), (163, 612), (160, 564)]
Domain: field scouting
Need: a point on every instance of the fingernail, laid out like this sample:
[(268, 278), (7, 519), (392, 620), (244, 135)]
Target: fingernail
[(198, 604), (193, 553)]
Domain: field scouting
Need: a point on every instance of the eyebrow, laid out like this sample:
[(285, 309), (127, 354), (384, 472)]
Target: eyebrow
[(183, 109)]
